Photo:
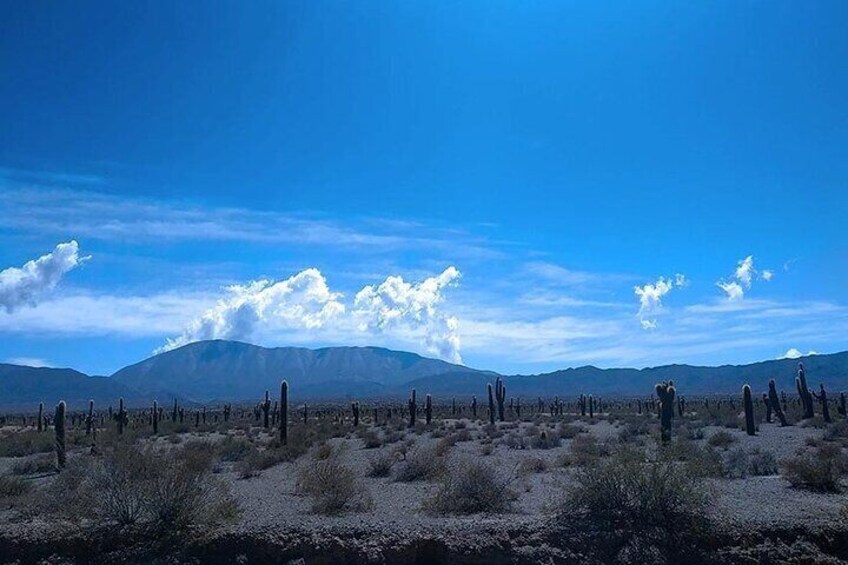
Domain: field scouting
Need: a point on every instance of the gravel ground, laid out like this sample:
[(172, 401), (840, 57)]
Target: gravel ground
[(270, 501)]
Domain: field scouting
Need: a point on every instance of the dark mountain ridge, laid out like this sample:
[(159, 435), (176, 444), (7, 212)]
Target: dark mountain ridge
[(233, 371)]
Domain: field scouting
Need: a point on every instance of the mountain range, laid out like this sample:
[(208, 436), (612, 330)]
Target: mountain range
[(217, 371)]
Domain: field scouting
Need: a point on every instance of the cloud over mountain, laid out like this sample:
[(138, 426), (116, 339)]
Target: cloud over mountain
[(305, 301), (396, 302), (301, 301), (26, 285)]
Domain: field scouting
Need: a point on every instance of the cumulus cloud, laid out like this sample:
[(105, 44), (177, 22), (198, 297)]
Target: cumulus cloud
[(409, 311), (397, 303), (650, 298), (742, 277), (301, 301), (793, 353), (26, 285)]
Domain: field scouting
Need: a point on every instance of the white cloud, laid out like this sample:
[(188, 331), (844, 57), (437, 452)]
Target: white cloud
[(733, 289), (396, 302), (650, 298), (27, 361), (743, 275), (26, 285), (302, 301)]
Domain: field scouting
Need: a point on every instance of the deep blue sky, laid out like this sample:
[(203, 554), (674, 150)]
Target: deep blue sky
[(625, 142)]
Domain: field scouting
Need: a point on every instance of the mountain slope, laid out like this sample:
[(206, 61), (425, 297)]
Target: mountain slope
[(229, 369), (24, 387)]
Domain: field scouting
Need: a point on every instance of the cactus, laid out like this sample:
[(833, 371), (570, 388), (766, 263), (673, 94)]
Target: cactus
[(767, 404), (582, 404), (591, 407), (413, 409), (822, 398), (89, 420), (748, 403), (155, 418), (428, 409), (665, 393), (59, 427), (500, 396), (305, 413), (841, 408), (266, 410), (174, 413), (121, 417), (474, 407), (284, 412), (491, 405), (804, 391), (355, 409), (40, 423)]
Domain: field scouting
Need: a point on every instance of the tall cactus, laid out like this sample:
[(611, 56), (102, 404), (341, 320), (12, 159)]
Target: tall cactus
[(665, 393), (175, 413), (89, 420), (804, 392), (155, 415), (474, 407), (59, 427), (841, 408), (500, 396), (748, 403), (591, 407), (284, 413), (428, 409), (491, 405), (40, 416), (413, 409), (822, 398), (355, 409), (266, 410), (121, 417)]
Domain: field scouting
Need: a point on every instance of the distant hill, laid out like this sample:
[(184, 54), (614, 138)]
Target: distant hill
[(231, 369), (24, 387), (209, 371)]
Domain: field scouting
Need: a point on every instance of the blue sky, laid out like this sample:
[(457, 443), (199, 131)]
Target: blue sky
[(558, 155)]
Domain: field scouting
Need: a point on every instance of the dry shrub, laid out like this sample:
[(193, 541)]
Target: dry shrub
[(420, 464), (472, 487), (636, 511), (13, 487), (169, 489), (333, 487), (381, 464), (35, 465), (234, 449), (820, 470), (585, 449), (546, 439), (532, 465), (721, 439)]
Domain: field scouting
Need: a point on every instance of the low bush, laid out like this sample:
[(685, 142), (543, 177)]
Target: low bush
[(820, 470), (532, 465), (333, 487), (36, 464), (636, 511), (381, 464), (546, 439), (721, 439), (470, 488), (420, 464), (13, 487)]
